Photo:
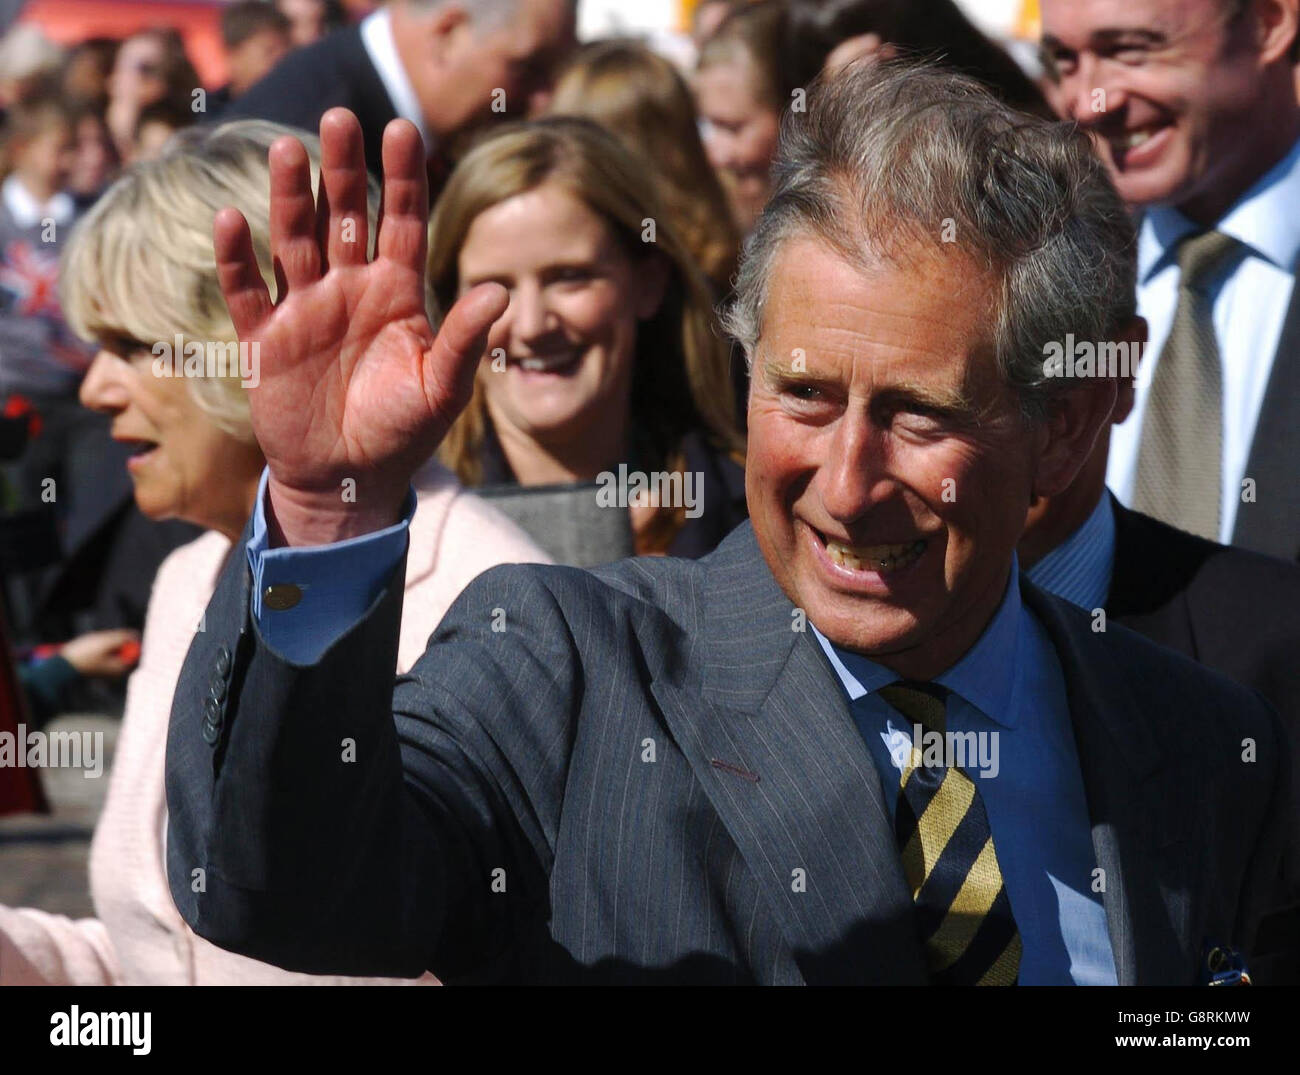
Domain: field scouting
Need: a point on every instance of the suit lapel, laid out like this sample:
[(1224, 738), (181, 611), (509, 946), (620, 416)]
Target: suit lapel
[(767, 730), (1268, 525), (1141, 808)]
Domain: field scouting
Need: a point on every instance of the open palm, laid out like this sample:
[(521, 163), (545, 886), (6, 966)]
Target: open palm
[(353, 383)]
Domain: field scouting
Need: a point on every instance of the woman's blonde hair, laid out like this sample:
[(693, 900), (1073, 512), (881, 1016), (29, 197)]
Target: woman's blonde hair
[(139, 267), (680, 379), (638, 96)]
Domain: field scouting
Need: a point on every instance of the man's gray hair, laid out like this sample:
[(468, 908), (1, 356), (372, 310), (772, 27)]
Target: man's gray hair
[(891, 155)]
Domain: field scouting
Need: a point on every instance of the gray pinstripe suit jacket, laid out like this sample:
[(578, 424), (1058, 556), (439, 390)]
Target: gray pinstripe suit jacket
[(649, 776)]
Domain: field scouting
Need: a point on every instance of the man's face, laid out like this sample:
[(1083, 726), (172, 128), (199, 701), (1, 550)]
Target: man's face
[(1166, 86), (497, 69), (255, 57), (880, 430)]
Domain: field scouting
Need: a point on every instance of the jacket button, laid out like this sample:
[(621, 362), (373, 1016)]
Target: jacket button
[(281, 596), (212, 711), (217, 688), (211, 733), (223, 661)]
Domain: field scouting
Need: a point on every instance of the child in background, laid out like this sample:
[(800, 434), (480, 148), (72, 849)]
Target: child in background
[(41, 361)]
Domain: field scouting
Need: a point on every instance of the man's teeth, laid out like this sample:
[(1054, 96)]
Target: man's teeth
[(1133, 139), (880, 558)]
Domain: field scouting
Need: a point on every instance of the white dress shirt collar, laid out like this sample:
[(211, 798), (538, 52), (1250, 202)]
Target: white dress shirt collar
[(1264, 219), (377, 37), (28, 212)]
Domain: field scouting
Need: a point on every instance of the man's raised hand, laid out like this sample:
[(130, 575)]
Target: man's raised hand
[(353, 384)]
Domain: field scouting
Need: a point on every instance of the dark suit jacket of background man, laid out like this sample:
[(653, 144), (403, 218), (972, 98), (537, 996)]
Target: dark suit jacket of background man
[(1231, 610), (665, 778), (334, 72)]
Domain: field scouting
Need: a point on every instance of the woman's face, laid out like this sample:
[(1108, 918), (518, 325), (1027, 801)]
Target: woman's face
[(568, 339), (740, 134), (138, 71), (186, 467)]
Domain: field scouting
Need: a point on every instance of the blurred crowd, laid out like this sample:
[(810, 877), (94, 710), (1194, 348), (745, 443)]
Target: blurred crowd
[(609, 187), (695, 143)]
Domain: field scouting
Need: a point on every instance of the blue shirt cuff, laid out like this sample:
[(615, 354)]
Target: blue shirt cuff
[(326, 588)]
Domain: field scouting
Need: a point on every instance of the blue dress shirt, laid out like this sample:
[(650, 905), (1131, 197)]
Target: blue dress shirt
[(1079, 569), (1009, 689), (339, 582)]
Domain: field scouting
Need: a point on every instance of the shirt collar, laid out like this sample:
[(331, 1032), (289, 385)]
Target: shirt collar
[(1079, 569), (377, 37), (28, 212), (985, 676), (1263, 219)]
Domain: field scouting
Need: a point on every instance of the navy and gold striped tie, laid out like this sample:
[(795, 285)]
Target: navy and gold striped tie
[(962, 911)]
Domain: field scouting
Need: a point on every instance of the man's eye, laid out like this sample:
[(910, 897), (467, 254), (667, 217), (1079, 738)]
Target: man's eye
[(1058, 64), (804, 392), (1129, 54)]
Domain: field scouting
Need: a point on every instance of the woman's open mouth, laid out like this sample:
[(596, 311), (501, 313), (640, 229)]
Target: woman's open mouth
[(141, 451), (557, 363)]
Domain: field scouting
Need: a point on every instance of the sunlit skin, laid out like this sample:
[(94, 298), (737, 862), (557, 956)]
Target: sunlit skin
[(740, 135), (188, 468), (1216, 98), (576, 301), (458, 67), (898, 404)]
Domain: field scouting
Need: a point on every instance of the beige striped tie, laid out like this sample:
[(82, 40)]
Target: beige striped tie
[(1180, 458)]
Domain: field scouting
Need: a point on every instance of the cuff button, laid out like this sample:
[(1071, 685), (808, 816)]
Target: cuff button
[(281, 596)]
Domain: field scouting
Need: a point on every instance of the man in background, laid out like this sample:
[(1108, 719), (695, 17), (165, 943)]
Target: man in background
[(1193, 106), (445, 65), (256, 38)]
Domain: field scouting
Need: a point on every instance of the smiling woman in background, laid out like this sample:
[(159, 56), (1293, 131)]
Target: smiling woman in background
[(140, 270), (608, 352)]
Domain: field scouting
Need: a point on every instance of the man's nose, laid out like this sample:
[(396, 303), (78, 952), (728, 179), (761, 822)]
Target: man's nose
[(104, 387), (853, 479), (1089, 96)]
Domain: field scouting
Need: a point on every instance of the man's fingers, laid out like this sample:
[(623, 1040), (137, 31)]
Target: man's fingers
[(294, 249), (241, 281), (403, 234), (454, 358), (342, 226)]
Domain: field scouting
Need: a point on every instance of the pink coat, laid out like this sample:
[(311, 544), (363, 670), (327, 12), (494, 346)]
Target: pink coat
[(138, 936)]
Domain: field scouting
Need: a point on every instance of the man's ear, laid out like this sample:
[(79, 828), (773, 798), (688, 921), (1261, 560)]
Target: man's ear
[(442, 26), (1073, 421), (652, 284), (1134, 336), (1276, 23)]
